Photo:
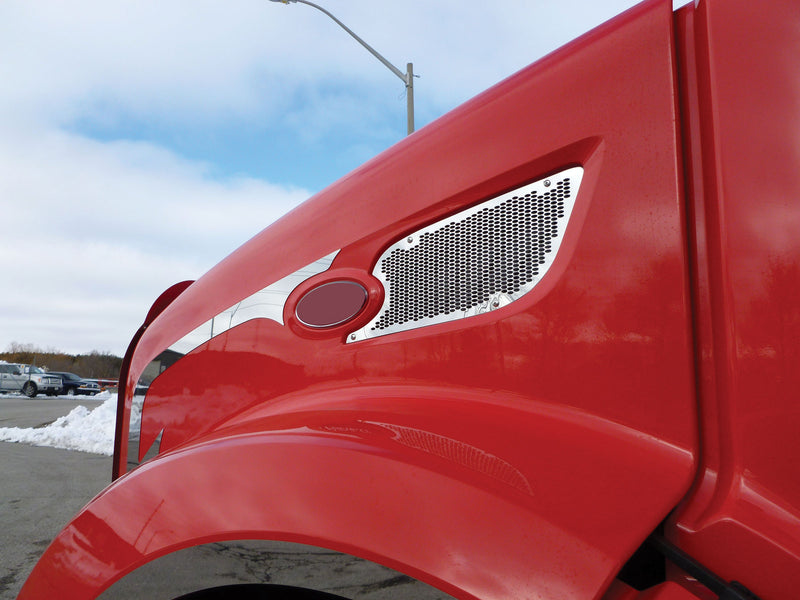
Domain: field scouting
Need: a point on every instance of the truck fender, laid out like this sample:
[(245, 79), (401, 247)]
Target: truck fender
[(428, 484)]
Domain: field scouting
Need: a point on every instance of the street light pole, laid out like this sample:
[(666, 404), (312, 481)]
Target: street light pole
[(407, 77)]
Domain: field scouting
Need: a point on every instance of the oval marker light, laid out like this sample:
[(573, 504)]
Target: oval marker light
[(331, 304)]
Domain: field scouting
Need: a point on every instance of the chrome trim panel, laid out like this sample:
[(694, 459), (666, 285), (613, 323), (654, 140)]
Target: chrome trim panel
[(265, 304)]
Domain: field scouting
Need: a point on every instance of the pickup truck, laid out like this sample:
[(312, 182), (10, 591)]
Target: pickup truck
[(28, 379), (545, 347)]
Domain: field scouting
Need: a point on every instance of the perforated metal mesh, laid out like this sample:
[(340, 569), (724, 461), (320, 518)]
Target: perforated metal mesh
[(475, 261)]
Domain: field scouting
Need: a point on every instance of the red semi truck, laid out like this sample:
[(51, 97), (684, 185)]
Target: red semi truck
[(545, 347)]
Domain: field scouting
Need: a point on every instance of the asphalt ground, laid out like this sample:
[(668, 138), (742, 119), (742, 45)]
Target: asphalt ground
[(42, 489)]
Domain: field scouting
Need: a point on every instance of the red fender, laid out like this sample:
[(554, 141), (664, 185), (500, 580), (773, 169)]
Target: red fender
[(543, 494)]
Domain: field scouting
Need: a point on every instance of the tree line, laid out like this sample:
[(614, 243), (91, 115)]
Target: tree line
[(94, 365)]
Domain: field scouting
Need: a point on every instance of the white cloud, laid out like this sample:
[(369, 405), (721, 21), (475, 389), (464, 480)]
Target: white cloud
[(95, 231), (92, 231), (207, 60)]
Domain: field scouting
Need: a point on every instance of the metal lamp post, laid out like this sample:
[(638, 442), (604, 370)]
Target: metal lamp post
[(407, 77)]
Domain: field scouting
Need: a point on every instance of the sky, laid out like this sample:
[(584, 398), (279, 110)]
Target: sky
[(143, 141)]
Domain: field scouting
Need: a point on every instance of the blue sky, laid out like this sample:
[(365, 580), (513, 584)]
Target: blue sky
[(141, 142)]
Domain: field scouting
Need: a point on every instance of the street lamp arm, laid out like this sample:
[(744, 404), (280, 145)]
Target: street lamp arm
[(407, 77), (369, 48)]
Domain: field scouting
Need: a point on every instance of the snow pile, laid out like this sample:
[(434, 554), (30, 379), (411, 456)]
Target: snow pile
[(82, 429)]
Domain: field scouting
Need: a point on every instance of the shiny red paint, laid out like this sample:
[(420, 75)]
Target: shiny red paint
[(123, 409), (356, 471), (526, 452), (743, 106)]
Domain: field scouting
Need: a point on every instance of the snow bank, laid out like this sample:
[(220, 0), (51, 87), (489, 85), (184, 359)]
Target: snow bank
[(82, 429)]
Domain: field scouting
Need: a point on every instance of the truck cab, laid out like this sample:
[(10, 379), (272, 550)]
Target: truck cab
[(545, 347)]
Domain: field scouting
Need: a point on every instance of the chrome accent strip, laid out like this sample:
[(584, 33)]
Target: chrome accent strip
[(267, 303), (475, 261)]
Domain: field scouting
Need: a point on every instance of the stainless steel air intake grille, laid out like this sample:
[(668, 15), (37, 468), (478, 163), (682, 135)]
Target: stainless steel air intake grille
[(474, 261)]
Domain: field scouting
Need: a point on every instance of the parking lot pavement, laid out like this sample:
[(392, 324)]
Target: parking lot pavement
[(42, 489)]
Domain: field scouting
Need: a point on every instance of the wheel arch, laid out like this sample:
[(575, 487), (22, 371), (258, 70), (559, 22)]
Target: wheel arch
[(478, 497)]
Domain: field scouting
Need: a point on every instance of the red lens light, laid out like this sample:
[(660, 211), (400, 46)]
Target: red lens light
[(331, 304)]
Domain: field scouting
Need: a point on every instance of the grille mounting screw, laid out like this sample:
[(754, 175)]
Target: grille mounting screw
[(410, 239), (546, 183)]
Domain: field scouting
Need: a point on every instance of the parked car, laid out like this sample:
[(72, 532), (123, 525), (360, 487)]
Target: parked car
[(73, 384), (28, 379)]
